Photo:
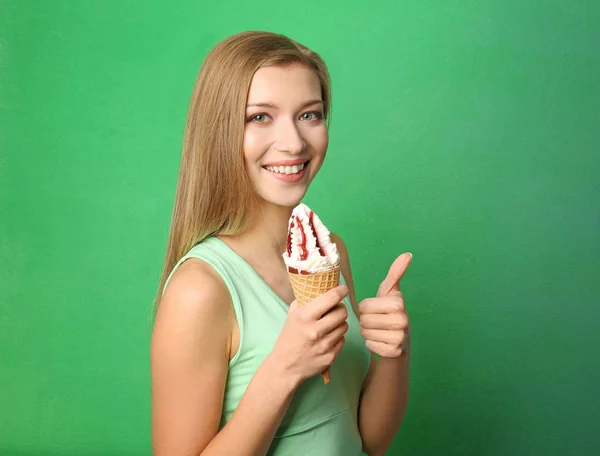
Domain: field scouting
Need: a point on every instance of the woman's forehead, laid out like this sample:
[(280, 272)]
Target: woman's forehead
[(282, 84)]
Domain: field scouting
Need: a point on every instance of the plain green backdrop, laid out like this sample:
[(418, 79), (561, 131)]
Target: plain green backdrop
[(466, 132)]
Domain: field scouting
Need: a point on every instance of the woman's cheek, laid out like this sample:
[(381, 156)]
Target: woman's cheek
[(319, 144), (250, 145)]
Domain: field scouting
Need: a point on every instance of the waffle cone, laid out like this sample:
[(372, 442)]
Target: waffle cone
[(309, 286)]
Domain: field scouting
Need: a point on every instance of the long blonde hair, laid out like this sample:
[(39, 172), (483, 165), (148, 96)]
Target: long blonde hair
[(214, 191)]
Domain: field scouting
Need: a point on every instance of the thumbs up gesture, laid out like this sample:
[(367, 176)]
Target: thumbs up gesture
[(383, 319)]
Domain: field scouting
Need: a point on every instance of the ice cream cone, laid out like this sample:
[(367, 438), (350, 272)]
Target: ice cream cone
[(309, 286)]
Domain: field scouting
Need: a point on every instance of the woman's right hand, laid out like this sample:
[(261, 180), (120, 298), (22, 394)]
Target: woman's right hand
[(312, 335)]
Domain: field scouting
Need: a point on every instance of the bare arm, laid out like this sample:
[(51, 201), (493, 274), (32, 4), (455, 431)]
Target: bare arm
[(385, 390), (190, 354)]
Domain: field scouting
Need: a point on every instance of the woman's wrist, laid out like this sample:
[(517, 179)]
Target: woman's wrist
[(279, 376)]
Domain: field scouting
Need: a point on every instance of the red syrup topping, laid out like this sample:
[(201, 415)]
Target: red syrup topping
[(289, 239), (304, 252)]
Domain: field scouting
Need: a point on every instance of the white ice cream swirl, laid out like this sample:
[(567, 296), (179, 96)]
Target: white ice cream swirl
[(309, 248)]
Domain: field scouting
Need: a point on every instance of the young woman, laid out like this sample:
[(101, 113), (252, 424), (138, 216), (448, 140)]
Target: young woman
[(235, 361)]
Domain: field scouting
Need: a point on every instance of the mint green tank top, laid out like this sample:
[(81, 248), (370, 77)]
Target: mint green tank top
[(321, 419)]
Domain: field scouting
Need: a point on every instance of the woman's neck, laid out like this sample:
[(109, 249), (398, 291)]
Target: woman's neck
[(265, 235)]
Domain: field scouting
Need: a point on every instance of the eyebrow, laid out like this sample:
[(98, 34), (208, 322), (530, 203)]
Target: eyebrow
[(272, 106)]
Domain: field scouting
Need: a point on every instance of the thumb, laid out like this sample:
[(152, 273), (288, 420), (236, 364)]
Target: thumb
[(396, 272)]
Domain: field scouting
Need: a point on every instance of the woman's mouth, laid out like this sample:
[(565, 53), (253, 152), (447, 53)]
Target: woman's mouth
[(287, 173)]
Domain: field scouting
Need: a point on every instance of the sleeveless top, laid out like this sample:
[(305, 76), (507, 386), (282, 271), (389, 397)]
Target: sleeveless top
[(321, 419)]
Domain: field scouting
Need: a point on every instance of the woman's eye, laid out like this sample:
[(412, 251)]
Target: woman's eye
[(315, 115), (259, 118), (308, 116)]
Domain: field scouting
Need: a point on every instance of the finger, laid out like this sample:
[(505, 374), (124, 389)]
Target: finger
[(384, 350), (379, 321), (322, 304), (394, 338), (397, 270), (382, 305), (332, 354), (332, 319), (332, 338)]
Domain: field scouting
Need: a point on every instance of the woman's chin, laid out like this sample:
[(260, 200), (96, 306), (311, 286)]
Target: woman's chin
[(288, 199)]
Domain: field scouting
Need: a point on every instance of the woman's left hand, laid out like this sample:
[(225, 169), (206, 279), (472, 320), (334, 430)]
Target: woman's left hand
[(383, 319)]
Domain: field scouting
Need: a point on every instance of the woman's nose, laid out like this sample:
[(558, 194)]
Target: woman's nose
[(289, 138)]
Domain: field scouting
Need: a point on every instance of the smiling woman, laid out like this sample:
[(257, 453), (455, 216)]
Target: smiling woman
[(235, 360), (286, 138)]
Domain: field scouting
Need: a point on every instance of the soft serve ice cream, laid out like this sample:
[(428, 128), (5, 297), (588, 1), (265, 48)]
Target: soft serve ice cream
[(309, 247), (312, 260)]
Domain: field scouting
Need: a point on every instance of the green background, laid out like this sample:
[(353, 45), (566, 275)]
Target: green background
[(465, 132)]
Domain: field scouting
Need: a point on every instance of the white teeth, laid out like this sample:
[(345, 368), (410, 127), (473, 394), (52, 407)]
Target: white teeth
[(286, 169)]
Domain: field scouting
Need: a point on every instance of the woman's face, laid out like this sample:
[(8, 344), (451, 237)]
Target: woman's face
[(285, 137)]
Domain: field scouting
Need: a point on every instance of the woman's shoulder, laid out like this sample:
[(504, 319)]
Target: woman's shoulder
[(344, 257), (195, 277), (196, 291)]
